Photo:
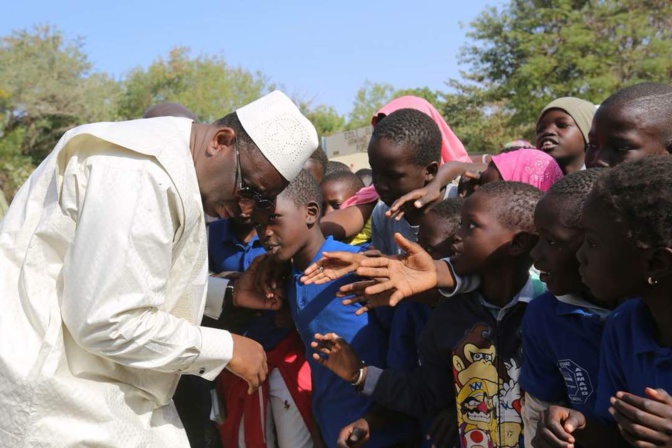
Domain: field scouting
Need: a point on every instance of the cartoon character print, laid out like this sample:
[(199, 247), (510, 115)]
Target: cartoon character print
[(488, 401)]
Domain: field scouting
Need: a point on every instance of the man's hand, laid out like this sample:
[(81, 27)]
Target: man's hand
[(271, 275), (444, 428), (248, 294), (556, 426), (354, 435), (248, 362), (334, 265), (412, 273), (644, 421), (332, 352)]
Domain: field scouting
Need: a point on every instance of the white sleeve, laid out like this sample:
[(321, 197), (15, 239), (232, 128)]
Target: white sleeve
[(531, 408), (214, 300), (463, 284), (116, 271)]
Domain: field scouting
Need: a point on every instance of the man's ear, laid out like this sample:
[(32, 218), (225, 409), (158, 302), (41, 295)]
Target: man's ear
[(522, 243), (430, 171), (224, 138), (660, 263), (313, 211)]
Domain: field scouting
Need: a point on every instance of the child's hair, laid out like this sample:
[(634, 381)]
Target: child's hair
[(572, 190), (515, 145), (303, 190), (640, 195), (416, 131), (449, 212), (515, 203), (334, 166), (350, 179), (653, 100), (320, 157)]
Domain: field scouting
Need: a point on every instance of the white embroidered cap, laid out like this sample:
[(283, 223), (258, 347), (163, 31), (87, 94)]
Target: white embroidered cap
[(284, 136)]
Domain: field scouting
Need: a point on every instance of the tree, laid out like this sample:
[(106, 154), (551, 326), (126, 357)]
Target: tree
[(46, 87), (533, 51), (206, 85), (369, 98), (325, 119)]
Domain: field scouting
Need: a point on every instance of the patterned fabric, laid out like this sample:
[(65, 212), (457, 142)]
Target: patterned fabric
[(529, 166)]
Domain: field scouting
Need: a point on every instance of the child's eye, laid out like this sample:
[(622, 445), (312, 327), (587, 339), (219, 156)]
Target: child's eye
[(550, 242), (273, 218)]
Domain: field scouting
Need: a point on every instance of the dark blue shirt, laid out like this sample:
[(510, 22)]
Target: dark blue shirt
[(631, 358), (227, 253), (561, 352), (316, 309)]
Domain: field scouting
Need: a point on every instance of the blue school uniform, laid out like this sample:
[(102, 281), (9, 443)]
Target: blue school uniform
[(561, 351), (316, 309), (227, 253), (631, 359)]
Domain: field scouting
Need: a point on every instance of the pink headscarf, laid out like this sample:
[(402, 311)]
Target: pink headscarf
[(530, 166), (451, 146)]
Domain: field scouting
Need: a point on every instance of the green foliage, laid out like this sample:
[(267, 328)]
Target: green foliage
[(533, 51), (369, 98), (204, 84), (325, 119), (45, 88)]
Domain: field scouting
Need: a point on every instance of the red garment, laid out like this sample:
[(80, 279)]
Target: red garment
[(290, 360)]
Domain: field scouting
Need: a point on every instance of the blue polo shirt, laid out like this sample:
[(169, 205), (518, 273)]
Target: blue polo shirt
[(316, 309), (561, 352), (227, 253), (631, 358)]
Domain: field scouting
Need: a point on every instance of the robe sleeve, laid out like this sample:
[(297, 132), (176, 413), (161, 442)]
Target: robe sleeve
[(116, 274)]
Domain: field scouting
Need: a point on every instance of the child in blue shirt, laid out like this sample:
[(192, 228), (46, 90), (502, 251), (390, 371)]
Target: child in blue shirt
[(470, 350), (291, 232), (627, 252), (561, 369)]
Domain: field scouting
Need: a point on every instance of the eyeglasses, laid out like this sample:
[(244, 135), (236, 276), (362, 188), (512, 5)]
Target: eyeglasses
[(248, 194)]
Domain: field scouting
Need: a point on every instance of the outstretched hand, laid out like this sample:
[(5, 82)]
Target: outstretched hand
[(556, 427), (411, 273), (334, 265), (334, 353), (644, 421), (422, 198)]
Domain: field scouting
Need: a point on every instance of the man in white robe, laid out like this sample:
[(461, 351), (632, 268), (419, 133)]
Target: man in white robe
[(103, 272)]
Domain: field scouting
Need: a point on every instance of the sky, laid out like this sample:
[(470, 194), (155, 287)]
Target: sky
[(317, 50)]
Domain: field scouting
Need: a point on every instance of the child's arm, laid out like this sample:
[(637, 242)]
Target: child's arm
[(431, 193), (644, 421), (346, 222), (419, 393)]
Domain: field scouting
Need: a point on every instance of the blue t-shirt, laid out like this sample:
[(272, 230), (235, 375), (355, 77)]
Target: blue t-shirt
[(561, 352), (227, 253), (316, 309), (631, 359)]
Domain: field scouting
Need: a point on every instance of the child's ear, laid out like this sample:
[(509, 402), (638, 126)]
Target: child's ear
[(313, 212), (660, 264), (430, 171), (522, 243)]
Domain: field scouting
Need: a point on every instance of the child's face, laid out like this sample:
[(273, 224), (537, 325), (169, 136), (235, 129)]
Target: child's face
[(394, 174), (480, 239), (334, 193), (283, 230), (610, 263), (436, 237), (559, 136), (555, 252), (620, 134)]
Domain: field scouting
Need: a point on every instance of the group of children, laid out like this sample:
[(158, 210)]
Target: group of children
[(535, 303)]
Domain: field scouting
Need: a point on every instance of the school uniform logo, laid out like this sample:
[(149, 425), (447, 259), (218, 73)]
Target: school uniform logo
[(577, 381)]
